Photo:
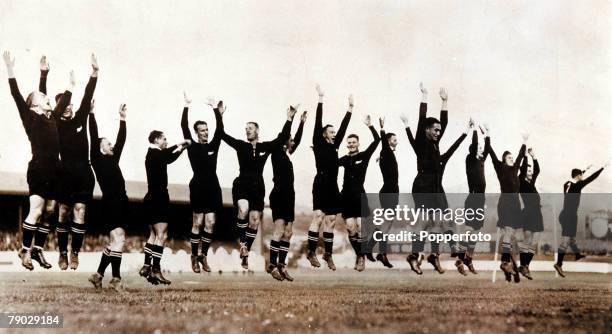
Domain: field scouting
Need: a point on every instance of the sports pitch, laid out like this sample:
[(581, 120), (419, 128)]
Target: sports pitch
[(318, 301)]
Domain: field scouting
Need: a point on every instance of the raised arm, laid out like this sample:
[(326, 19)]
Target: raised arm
[(455, 146), (285, 133), (443, 112), (489, 150), (172, 153), (65, 99), (24, 112), (536, 170), (317, 133), (345, 122), (522, 151), (298, 135), (376, 138), (44, 71), (122, 134), (81, 113), (420, 132), (404, 119), (386, 149), (94, 142), (216, 141), (591, 177)]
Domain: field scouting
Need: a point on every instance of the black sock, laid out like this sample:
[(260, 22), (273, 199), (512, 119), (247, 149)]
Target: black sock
[(41, 236), (523, 258), (506, 249), (194, 239), (104, 262), (283, 249), (417, 247), (560, 256), (461, 249), (206, 240), (574, 248), (28, 231), (242, 226), (156, 253), (435, 247), (369, 248), (356, 243), (382, 247), (328, 242), (250, 234), (62, 237), (529, 258), (313, 240), (274, 252), (77, 231), (452, 243), (116, 263), (147, 252)]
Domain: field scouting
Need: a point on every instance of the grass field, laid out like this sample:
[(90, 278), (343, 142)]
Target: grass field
[(318, 302)]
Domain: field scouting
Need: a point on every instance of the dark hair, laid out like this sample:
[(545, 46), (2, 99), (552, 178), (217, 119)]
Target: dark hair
[(254, 123), (576, 172), (431, 121), (58, 97), (198, 123), (327, 126), (352, 135), (389, 135), (154, 135), (473, 148), (504, 155), (29, 99)]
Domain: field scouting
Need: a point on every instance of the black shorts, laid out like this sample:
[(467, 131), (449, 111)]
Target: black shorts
[(325, 195), (282, 203), (428, 193), (389, 196), (157, 208), (509, 210), (43, 178), (251, 189), (532, 219), (475, 201), (353, 206), (77, 183), (569, 224), (205, 196), (115, 211)]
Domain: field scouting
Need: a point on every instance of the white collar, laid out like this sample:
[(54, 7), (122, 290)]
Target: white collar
[(155, 147)]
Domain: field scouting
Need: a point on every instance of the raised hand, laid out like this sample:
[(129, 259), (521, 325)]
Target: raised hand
[(531, 152), (94, 65), (525, 137), (292, 111), (221, 107), (211, 101), (304, 116), (92, 105), (443, 94), (487, 131), (405, 120), (10, 64), (351, 102), (470, 126), (319, 90), (122, 111), (187, 99), (367, 120), (72, 79), (423, 92), (44, 64), (381, 120)]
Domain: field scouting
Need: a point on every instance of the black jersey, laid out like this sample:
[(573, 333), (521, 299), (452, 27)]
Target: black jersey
[(572, 190), (507, 175), (529, 193), (281, 163), (203, 156), (388, 162), (356, 166), (156, 165), (108, 172), (326, 154), (474, 167)]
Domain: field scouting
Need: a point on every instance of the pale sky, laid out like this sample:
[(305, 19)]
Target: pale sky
[(541, 67)]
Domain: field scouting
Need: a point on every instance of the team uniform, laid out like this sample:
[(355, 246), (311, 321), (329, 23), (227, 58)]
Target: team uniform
[(325, 192), (532, 221), (76, 179), (355, 168), (115, 203), (249, 185), (569, 217), (157, 200), (427, 189), (44, 167), (509, 205)]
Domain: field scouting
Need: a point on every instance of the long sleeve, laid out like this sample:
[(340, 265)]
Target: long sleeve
[(317, 132), (185, 124), (216, 140), (94, 142), (42, 84), (62, 104), (524, 167), (468, 167), (376, 139), (120, 142), (282, 138), (449, 153), (385, 143), (591, 178), (520, 157), (489, 150), (411, 139), (443, 122), (231, 141), (342, 130), (298, 137), (171, 153), (536, 170), (24, 112), (420, 133), (81, 114)]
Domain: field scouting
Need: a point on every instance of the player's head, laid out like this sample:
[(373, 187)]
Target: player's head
[(391, 139), (529, 175), (68, 112), (507, 158), (477, 150), (329, 133), (352, 143), (158, 139), (106, 147), (201, 129), (252, 131), (433, 128), (290, 144), (577, 174), (38, 102)]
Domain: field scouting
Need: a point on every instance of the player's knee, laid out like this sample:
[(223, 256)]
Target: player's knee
[(278, 234), (118, 235), (243, 208), (288, 233), (50, 208), (63, 212)]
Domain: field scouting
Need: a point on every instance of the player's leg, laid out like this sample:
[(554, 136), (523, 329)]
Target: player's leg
[(279, 229), (382, 246), (145, 271), (117, 242), (243, 224), (283, 250), (526, 253), (353, 237), (313, 237), (329, 223), (574, 247), (42, 231), (194, 240), (435, 227), (255, 217), (563, 245), (62, 230), (506, 252), (461, 249), (157, 249), (77, 233), (209, 224), (28, 229)]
